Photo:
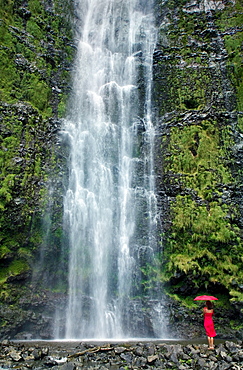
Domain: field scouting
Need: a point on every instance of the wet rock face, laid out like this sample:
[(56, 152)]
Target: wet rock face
[(195, 95), (193, 84), (64, 356), (36, 58), (183, 55)]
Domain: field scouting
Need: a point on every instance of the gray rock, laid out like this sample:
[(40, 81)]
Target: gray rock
[(50, 362), (179, 357), (119, 350), (212, 365), (138, 351), (140, 362), (16, 356), (202, 363), (37, 353), (224, 366), (67, 366), (5, 342), (228, 358), (127, 357), (152, 358), (151, 350), (173, 358)]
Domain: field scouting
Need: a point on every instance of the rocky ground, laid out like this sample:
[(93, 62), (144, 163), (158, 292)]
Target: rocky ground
[(120, 356)]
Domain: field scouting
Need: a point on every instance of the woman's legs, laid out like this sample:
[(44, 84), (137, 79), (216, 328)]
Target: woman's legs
[(210, 343)]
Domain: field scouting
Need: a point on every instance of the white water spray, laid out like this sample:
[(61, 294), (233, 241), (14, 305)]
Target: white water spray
[(110, 205)]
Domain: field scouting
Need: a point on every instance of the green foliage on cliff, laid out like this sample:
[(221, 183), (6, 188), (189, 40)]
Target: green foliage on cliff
[(35, 53), (232, 19), (200, 88), (34, 42)]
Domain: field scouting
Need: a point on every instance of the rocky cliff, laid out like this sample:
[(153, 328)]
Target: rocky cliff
[(36, 54), (198, 107)]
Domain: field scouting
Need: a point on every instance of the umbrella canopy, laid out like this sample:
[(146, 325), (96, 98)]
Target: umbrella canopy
[(205, 298)]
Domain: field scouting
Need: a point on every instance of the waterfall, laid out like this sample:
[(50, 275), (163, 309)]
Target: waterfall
[(110, 212)]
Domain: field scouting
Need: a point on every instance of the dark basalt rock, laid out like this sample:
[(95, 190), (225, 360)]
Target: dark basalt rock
[(65, 356), (197, 48)]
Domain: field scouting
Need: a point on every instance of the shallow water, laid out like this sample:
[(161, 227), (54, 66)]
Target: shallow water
[(74, 343)]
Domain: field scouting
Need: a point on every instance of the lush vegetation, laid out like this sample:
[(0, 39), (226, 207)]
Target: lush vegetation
[(198, 93), (201, 89), (36, 51)]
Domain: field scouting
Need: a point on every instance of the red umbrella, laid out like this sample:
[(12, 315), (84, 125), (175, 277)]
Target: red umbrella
[(205, 298)]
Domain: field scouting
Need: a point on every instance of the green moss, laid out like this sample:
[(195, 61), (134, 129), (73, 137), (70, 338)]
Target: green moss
[(8, 77), (232, 18), (24, 253), (38, 93), (186, 301), (29, 79), (35, 6), (35, 53), (4, 251), (196, 155), (186, 82), (33, 28), (15, 268), (6, 190), (6, 9), (204, 243), (236, 295), (62, 106)]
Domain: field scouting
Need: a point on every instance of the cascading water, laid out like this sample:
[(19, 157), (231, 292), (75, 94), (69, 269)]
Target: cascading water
[(110, 205)]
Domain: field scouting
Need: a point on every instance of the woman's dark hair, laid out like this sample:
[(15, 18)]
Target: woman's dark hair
[(209, 305)]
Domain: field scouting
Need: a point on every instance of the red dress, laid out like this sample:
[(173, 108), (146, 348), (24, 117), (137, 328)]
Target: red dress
[(208, 324)]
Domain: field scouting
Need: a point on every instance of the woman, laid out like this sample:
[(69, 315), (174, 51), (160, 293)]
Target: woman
[(208, 324)]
